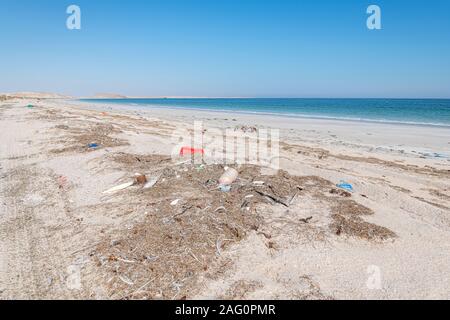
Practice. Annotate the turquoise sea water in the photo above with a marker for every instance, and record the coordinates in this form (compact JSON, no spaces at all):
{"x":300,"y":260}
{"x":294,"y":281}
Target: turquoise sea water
{"x":434,"y":112}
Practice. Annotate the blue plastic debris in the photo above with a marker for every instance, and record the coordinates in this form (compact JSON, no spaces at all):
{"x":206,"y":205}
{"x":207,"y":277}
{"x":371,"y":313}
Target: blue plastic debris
{"x":345,"y":185}
{"x":93,"y":145}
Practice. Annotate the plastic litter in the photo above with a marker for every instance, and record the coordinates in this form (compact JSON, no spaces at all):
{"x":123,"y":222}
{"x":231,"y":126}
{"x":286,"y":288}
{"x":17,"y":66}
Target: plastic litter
{"x":220,"y":209}
{"x":30,"y":106}
{"x":175,"y":202}
{"x":119,"y":187}
{"x":345,"y":185}
{"x":224,"y":188}
{"x":190,"y":151}
{"x":258,"y":183}
{"x":228,"y":177}
{"x":93,"y":145}
{"x":151,"y":183}
{"x":140,"y":179}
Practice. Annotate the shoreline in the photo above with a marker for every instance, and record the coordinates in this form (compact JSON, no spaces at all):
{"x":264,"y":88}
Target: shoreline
{"x":122,"y":103}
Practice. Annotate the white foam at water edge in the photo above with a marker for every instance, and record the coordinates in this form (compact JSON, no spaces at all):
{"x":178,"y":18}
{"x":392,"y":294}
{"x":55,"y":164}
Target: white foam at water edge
{"x":304,"y":116}
{"x":280,"y":114}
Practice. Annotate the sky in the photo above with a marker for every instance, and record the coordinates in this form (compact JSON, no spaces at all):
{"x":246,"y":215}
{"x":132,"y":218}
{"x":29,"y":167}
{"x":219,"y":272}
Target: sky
{"x":232,"y":48}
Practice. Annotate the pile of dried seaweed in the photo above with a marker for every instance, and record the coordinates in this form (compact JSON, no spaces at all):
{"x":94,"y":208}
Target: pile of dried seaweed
{"x":347,"y":221}
{"x":189,"y":221}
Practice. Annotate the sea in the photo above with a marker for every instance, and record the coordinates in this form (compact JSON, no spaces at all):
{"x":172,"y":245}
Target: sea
{"x":423,"y":112}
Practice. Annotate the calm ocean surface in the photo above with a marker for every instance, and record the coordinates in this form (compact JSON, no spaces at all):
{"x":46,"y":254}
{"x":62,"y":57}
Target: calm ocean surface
{"x":434,"y":112}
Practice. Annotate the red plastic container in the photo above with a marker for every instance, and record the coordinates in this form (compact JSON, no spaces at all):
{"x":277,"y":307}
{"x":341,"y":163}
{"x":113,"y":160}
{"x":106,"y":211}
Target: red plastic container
{"x":190,"y":151}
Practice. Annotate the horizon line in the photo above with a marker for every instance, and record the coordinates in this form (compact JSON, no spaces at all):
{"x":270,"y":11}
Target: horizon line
{"x":251,"y":97}
{"x":112,"y":96}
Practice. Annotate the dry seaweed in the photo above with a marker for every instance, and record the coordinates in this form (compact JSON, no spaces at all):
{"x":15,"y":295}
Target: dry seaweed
{"x":179,"y":240}
{"x":356,"y":227}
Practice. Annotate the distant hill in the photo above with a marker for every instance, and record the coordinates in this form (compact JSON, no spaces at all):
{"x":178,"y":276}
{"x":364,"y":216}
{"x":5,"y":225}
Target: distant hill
{"x":35,"y":95}
{"x":109,"y":96}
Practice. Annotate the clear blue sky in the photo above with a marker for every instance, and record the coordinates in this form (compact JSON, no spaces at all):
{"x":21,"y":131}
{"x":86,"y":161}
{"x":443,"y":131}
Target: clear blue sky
{"x":256,"y":48}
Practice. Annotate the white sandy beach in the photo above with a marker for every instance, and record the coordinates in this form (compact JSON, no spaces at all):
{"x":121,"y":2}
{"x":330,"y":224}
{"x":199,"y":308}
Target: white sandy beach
{"x":61,"y":237}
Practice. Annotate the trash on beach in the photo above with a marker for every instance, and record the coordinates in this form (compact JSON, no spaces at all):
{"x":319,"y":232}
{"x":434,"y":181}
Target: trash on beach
{"x":345,"y":185}
{"x":228,"y":177}
{"x":140,"y":179}
{"x":258,"y":183}
{"x":225,"y":188}
{"x":245,"y":129}
{"x":151,"y":183}
{"x":119,"y":187}
{"x":93,"y":145}
{"x":126,"y":280}
{"x":182,"y":215}
{"x":30,"y":106}
{"x":191,"y":151}
{"x":223,"y":209}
